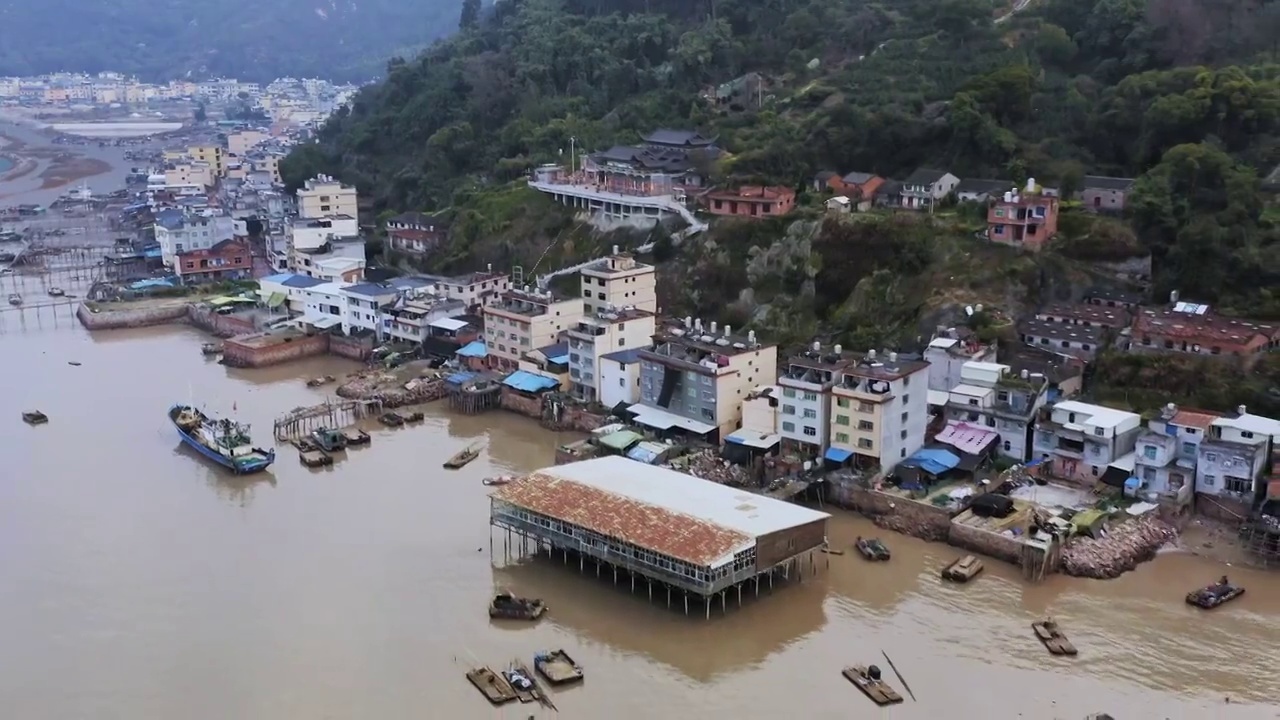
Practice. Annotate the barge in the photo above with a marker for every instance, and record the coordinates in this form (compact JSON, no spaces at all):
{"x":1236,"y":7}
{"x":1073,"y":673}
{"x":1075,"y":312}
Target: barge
{"x":868,"y":680}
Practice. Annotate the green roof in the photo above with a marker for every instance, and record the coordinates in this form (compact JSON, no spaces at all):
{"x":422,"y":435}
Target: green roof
{"x":621,"y":440}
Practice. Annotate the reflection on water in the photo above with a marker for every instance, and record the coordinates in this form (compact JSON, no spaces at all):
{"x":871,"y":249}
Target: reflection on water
{"x":360,"y":591}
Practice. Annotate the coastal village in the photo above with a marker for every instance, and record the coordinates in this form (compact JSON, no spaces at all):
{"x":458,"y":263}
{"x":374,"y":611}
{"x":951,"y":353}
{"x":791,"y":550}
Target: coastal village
{"x":984,"y":445}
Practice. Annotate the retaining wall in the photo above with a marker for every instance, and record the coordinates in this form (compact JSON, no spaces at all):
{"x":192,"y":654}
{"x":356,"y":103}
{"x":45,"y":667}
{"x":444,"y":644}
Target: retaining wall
{"x":1224,"y":509}
{"x":572,"y":418}
{"x":351,"y":348}
{"x":254,"y":355}
{"x":118,"y":318}
{"x":223,"y":326}
{"x":994,"y":545}
{"x":892,"y":512}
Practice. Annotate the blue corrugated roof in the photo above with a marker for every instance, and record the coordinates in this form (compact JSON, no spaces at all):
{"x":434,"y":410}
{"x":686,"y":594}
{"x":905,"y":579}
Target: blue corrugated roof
{"x":474,"y":349}
{"x":559,"y":359}
{"x":626,"y":357}
{"x":368,"y":290}
{"x":933,"y":461}
{"x":838,"y":455}
{"x":556,"y":350}
{"x":525,"y":381}
{"x":302,"y":282}
{"x":280,"y":278}
{"x":460,"y":378}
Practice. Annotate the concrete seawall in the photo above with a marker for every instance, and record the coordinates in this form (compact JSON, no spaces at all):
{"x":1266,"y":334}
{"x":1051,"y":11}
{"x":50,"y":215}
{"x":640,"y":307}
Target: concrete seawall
{"x":111,"y":318}
{"x":223,"y":326}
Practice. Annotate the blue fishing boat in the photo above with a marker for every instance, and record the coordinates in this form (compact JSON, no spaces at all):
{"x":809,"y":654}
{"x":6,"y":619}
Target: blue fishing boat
{"x":223,"y":441}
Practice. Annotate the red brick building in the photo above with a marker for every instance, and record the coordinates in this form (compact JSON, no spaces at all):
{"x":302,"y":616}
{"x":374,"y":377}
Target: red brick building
{"x":1025,"y":219}
{"x":227,"y":260}
{"x":1194,"y":329}
{"x":416,"y":233}
{"x":751,"y":201}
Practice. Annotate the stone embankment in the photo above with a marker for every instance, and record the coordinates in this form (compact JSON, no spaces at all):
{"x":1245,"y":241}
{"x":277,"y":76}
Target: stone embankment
{"x":405,"y":385}
{"x":1120,"y":551}
{"x":106,"y":316}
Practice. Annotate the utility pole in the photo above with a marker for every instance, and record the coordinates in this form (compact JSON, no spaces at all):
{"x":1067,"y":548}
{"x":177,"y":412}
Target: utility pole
{"x":573,"y":161}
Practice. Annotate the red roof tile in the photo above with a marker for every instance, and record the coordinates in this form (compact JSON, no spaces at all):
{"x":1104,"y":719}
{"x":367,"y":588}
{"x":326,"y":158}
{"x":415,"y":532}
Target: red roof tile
{"x":1194,"y":418}
{"x":673,"y":534}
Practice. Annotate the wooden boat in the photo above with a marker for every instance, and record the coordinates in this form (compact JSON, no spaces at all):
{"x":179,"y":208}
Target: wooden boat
{"x":34,"y":417}
{"x":56,"y":292}
{"x":557,"y":667}
{"x":356,"y":436}
{"x":1052,"y":637}
{"x":492,"y":685}
{"x":522,"y":683}
{"x":210,"y":348}
{"x":414,"y":417}
{"x":315,"y":458}
{"x":1211,"y":596}
{"x":329,"y":440}
{"x":391,"y":419}
{"x":495,"y":481}
{"x":318,"y":381}
{"x":962,"y":570}
{"x":463,"y":457}
{"x":872,"y":549}
{"x":509,"y":607}
{"x":867,"y":679}
{"x":305,"y":444}
{"x":15,"y":299}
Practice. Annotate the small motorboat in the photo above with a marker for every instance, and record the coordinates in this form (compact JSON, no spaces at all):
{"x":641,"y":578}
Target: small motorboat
{"x":867,"y":679}
{"x":15,"y":299}
{"x":329,"y":440}
{"x":414,"y":417}
{"x":391,"y":419}
{"x":509,"y":607}
{"x":356,"y":436}
{"x":210,"y":348}
{"x":34,"y":417}
{"x":872,"y":549}
{"x":463,"y":457}
{"x":495,"y":481}
{"x":56,"y":292}
{"x":318,"y":381}
{"x":1212,"y":596}
{"x":962,"y":570}
{"x":557,"y":667}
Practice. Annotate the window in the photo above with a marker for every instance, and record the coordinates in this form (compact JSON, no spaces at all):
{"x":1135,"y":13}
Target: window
{"x":973,"y":401}
{"x":842,"y":438}
{"x":1149,"y":452}
{"x":708,"y":396}
{"x":810,"y":413}
{"x":788,"y":393}
{"x":1208,"y":480}
{"x":1002,"y":396}
{"x":1246,"y":434}
{"x":904,"y":417}
{"x":1007,"y":446}
{"x":1099,"y":432}
{"x":788,"y":427}
{"x":1237,"y":485}
{"x":692,"y":392}
{"x":622,"y":382}
{"x":865,"y":407}
{"x":788,"y":409}
{"x":812,"y":397}
{"x":864,"y":443}
{"x":1071,"y":417}
{"x":842,"y":419}
{"x":1188,"y":448}
{"x":902,"y":435}
{"x":842,"y":402}
{"x":906,"y":399}
{"x":866,"y":425}
{"x":906,"y":381}
{"x":810,"y":430}
{"x":706,"y":379}
{"x":1211,"y":457}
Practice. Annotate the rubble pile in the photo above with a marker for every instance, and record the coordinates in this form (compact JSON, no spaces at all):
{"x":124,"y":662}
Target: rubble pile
{"x":1120,"y":551}
{"x":911,"y":526}
{"x":708,"y":465}
{"x":390,"y":390}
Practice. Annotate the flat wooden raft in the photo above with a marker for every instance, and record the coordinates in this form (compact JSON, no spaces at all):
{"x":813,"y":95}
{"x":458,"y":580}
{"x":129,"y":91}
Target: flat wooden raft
{"x":878,"y":691}
{"x":1053,"y":639}
{"x":492,"y":685}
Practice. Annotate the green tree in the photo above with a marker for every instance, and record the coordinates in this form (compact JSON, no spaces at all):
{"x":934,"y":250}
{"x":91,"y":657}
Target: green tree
{"x":470,"y":14}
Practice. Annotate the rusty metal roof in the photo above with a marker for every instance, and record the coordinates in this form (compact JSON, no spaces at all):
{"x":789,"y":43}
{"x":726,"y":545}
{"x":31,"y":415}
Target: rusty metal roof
{"x":678,"y":535}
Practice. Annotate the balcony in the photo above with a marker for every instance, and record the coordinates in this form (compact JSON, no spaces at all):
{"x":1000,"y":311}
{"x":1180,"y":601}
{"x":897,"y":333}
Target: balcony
{"x":876,"y":391}
{"x":586,"y":331}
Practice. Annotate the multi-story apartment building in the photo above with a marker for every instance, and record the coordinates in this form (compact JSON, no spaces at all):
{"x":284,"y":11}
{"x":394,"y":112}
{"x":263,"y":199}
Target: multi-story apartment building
{"x":881,"y":410}
{"x":1079,"y":440}
{"x":241,"y":142}
{"x":476,"y":288}
{"x":695,"y":381}
{"x":410,"y":321}
{"x":518,"y":321}
{"x":947,"y":354}
{"x":991,"y":394}
{"x":322,"y":196}
{"x":1166,"y":454}
{"x":619,"y":281}
{"x":313,"y":233}
{"x":805,"y":384}
{"x":620,"y":378}
{"x":598,"y":334}
{"x":212,"y":155}
{"x":178,"y":232}
{"x":365,"y":305}
{"x":1025,"y":219}
{"x":1233,"y":455}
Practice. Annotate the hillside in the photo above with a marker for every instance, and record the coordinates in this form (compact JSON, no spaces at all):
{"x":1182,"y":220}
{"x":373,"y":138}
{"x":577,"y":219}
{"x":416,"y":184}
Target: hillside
{"x":341,"y":40}
{"x":1182,"y":94}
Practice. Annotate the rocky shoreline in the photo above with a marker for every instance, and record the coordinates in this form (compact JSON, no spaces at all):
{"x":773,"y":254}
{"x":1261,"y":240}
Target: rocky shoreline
{"x":1122,"y":550}
{"x":391,"y":388}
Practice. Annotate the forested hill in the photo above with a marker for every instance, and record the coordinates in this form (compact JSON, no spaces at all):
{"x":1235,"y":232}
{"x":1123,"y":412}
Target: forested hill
{"x":341,"y":40}
{"x":1184,"y":94}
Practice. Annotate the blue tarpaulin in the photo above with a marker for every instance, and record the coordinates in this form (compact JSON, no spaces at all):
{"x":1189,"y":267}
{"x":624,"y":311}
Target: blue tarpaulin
{"x":642,"y":454}
{"x":460,"y":378}
{"x":526,"y":381}
{"x":933,"y":461}
{"x":474,"y":349}
{"x":837,"y":455}
{"x":151,"y":283}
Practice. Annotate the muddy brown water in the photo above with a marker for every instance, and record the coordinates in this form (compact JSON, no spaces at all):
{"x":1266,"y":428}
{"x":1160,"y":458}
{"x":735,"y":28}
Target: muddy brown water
{"x":139,"y":582}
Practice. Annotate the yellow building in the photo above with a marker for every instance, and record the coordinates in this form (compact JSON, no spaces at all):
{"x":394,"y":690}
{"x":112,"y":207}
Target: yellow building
{"x":240,"y":143}
{"x":214,"y":155}
{"x":881,"y":410}
{"x":322,"y":196}
{"x":619,"y":281}
{"x":518,"y":321}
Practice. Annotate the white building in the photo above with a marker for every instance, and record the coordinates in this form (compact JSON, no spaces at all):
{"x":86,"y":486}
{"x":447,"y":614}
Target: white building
{"x":313,"y":233}
{"x":948,"y":352}
{"x":328,"y":303}
{"x":990,"y":394}
{"x":518,"y":321}
{"x":806,"y":383}
{"x":881,"y":410}
{"x":1232,"y":457}
{"x":365,"y":305}
{"x":619,"y":378}
{"x":1079,"y":440}
{"x":619,"y":281}
{"x":598,"y":334}
{"x":322,"y":196}
{"x":476,"y":288}
{"x":177,"y":233}
{"x":286,"y":290}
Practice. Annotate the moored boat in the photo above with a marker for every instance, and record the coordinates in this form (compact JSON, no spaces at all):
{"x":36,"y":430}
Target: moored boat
{"x":494,"y":481}
{"x":867,"y":679}
{"x":391,"y":419}
{"x":1211,"y":596}
{"x":329,"y":440}
{"x":356,"y":436}
{"x":557,"y":667}
{"x":56,"y":292}
{"x":509,"y":607}
{"x":460,"y":459}
{"x":872,"y":549}
{"x":1048,"y":632}
{"x":211,"y":348}
{"x":34,"y":417}
{"x":15,"y":299}
{"x":221,"y":440}
{"x":962,"y":570}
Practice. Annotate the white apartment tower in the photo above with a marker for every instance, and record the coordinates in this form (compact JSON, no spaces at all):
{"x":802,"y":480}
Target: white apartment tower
{"x":322,"y":196}
{"x":618,"y":281}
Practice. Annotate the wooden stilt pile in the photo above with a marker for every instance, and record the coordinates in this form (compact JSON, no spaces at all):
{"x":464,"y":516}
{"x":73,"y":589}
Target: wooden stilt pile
{"x":300,"y":422}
